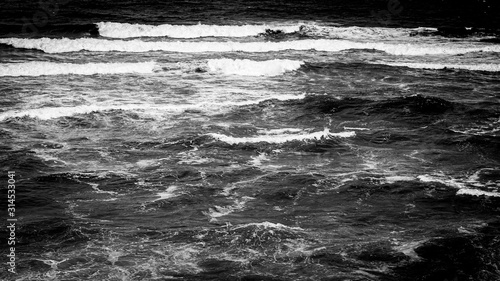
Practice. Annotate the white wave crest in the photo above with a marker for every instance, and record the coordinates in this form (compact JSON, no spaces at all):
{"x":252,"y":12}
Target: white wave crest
{"x":40,"y":68}
{"x":127,"y":30}
{"x":168,"y":193}
{"x":267,"y":225}
{"x":282,"y":137}
{"x":464,"y":186}
{"x":477,"y":192}
{"x":363,"y":33}
{"x":476,"y":67}
{"x":253,"y":68}
{"x":46,"y":113}
{"x":49,"y":45}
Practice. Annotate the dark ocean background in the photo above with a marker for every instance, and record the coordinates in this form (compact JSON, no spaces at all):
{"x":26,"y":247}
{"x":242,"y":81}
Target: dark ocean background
{"x":251,"y":140}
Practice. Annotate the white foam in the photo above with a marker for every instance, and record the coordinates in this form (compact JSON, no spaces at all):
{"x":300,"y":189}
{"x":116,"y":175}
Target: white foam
{"x":477,"y":192}
{"x":220,"y":211}
{"x":476,"y":67}
{"x":257,"y":160}
{"x":393,"y":179}
{"x":276,"y":97}
{"x":465,"y":186}
{"x":168,"y":193}
{"x":356,"y":129}
{"x":126,"y":30}
{"x":97,"y":190}
{"x":40,"y":68}
{"x":363,"y":33}
{"x":102,"y":45}
{"x":253,"y":68}
{"x":279,"y":131}
{"x":441,"y":178}
{"x":282,"y":138}
{"x":46,"y":113}
{"x":267,"y":224}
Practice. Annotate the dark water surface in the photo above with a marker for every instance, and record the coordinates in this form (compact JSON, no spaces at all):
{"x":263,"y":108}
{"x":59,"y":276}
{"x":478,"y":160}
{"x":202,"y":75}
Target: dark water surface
{"x":251,"y":140}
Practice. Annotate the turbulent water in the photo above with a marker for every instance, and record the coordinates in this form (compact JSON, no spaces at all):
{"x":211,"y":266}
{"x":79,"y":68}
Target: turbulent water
{"x":250,"y":141}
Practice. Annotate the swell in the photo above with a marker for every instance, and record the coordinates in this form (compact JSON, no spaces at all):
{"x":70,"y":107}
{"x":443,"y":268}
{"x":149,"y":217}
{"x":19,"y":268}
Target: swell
{"x":101,"y":45}
{"x":40,"y":68}
{"x":489,"y":67}
{"x":127,"y":30}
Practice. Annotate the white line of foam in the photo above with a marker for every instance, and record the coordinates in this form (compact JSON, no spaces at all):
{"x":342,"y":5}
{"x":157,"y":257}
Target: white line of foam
{"x":282,"y":138}
{"x":127,"y":30}
{"x":39,"y":68}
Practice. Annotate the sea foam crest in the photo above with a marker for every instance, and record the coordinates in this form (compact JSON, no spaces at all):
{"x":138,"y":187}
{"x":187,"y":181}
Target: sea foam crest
{"x":363,"y":33}
{"x":253,"y":68}
{"x":466,"y":186}
{"x":49,"y":45}
{"x":476,"y":67}
{"x":267,"y":225}
{"x":39,"y":68}
{"x":127,"y":30}
{"x":46,"y":113}
{"x":282,"y":137}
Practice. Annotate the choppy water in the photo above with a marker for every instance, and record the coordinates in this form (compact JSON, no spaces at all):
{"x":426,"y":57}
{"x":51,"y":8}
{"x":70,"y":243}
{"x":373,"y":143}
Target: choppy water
{"x":251,"y":141}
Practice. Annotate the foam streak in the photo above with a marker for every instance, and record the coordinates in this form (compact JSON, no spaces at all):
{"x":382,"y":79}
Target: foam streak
{"x":100,"y":45}
{"x":40,"y":68}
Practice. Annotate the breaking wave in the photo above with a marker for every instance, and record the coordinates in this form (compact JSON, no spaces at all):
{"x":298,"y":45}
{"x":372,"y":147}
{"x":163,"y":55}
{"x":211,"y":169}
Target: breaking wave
{"x":101,"y":45}
{"x":476,"y":67}
{"x":253,"y":68}
{"x":281,"y":137}
{"x":40,"y":68}
{"x":127,"y":30}
{"x":46,"y":113}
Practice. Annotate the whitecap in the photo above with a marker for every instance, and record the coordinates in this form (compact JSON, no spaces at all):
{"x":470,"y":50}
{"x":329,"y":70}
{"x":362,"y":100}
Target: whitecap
{"x":127,"y":30}
{"x":63,"y":45}
{"x":41,"y":68}
{"x":253,"y":68}
{"x":282,"y":137}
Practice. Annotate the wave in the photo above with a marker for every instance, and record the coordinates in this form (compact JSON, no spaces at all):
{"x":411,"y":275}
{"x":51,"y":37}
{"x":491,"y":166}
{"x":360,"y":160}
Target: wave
{"x":477,"y":192}
{"x":40,"y":68}
{"x":280,"y":137}
{"x":170,"y":192}
{"x":464,"y":186}
{"x":224,"y":66}
{"x":253,"y":68}
{"x":267,"y":225}
{"x":364,"y":33}
{"x":476,"y":67}
{"x":46,"y":113}
{"x":127,"y":30}
{"x":103,"y":45}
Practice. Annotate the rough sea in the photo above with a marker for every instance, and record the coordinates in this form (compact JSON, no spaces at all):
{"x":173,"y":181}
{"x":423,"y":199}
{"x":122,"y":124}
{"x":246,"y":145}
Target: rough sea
{"x":250,"y":140}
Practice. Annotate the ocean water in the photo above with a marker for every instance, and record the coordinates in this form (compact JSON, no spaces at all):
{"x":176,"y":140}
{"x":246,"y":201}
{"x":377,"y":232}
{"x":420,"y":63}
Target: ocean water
{"x":250,"y":140}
